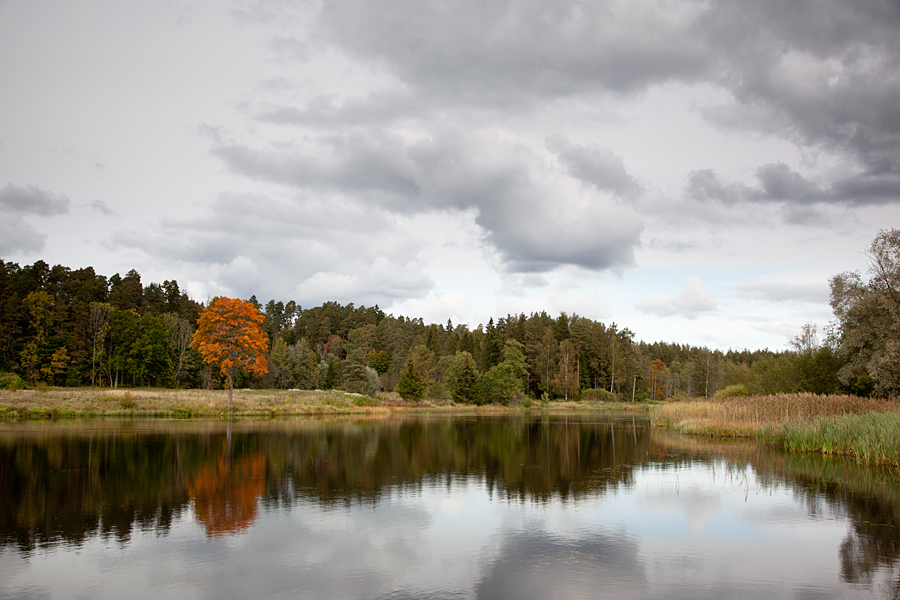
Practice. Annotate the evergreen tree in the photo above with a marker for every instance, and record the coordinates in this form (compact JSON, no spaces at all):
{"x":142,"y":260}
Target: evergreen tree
{"x":411,"y":385}
{"x":463,"y":379}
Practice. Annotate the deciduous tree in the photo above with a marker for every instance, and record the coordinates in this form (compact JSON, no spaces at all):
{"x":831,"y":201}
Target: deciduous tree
{"x":868,"y":314}
{"x":229,"y":334}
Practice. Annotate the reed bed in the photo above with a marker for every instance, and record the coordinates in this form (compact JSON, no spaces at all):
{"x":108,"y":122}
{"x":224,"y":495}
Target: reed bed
{"x":868,"y":429}
{"x":870,"y":438}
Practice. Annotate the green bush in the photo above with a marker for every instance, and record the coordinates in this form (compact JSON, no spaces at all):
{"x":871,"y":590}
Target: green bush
{"x":733,"y":391}
{"x":11,"y":381}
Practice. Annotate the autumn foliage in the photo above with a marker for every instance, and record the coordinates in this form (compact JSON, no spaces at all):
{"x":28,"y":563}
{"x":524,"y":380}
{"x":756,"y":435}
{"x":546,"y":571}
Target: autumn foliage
{"x":226,"y":495}
{"x":229,"y":334}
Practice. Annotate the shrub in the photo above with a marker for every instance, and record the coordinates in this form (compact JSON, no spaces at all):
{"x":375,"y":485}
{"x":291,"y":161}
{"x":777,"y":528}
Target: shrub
{"x":126,"y":402}
{"x":500,"y":385}
{"x":365,"y":401}
{"x":733,"y":391}
{"x":598,"y":395}
{"x":11,"y":381}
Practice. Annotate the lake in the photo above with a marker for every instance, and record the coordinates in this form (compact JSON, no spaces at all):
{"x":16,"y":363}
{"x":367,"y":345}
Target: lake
{"x":529,"y":506}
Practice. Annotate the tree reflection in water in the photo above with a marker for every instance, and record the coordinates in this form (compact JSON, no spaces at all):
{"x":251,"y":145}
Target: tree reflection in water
{"x":66,"y":483}
{"x":226,"y":495}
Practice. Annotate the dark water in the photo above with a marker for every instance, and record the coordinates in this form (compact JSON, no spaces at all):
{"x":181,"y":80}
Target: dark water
{"x":523,"y":507}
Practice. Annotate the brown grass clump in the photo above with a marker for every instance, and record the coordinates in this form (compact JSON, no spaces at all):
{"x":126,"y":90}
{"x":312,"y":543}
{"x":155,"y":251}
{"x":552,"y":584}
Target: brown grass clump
{"x":781,"y":408}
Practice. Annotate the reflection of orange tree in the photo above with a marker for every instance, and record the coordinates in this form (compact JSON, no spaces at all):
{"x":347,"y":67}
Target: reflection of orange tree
{"x":226,"y":495}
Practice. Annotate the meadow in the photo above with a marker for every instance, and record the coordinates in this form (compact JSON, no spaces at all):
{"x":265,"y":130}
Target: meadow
{"x":49,"y":402}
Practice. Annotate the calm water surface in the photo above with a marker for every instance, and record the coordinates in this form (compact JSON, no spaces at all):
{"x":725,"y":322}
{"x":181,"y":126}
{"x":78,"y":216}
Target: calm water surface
{"x":523,"y":507}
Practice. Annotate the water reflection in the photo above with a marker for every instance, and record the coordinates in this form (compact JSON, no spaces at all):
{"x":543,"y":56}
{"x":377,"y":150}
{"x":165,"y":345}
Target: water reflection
{"x":525,"y":507}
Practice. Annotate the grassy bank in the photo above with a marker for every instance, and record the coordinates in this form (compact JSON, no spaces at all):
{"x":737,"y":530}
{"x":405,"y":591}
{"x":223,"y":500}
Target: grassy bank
{"x":867,"y":429}
{"x":143,"y":402}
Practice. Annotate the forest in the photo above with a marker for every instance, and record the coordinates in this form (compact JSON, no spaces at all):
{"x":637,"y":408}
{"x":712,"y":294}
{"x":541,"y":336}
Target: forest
{"x":65,"y":327}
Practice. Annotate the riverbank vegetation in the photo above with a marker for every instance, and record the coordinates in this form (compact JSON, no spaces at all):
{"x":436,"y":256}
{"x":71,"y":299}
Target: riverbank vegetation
{"x":51,"y":403}
{"x":864,"y":428}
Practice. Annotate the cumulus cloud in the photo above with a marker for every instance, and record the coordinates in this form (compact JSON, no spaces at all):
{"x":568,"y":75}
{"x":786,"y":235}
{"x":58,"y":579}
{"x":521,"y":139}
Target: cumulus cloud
{"x":324,"y":249}
{"x":534,"y":220}
{"x":821,"y":73}
{"x":690,"y":302}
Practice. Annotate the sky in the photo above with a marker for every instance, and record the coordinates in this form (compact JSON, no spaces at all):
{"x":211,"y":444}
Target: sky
{"x":695,"y":171}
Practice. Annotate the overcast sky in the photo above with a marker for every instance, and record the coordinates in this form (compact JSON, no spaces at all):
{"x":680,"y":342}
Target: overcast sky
{"x":696,"y":171}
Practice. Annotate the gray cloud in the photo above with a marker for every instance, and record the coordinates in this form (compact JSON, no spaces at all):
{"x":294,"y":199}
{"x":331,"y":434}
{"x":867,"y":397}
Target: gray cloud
{"x":779,"y":183}
{"x":594,"y":165}
{"x":502,"y":51}
{"x":823,"y":73}
{"x":101,"y":207}
{"x":533,"y":225}
{"x":32,"y":200}
{"x":18,"y":236}
{"x":690,"y":302}
{"x":315,"y":249}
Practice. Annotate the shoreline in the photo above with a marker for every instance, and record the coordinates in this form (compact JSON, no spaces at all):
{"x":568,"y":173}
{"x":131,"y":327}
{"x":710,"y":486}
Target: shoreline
{"x":86,"y":403}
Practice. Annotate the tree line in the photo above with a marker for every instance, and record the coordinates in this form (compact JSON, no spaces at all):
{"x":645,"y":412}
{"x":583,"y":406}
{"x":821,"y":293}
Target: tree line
{"x":75,"y":327}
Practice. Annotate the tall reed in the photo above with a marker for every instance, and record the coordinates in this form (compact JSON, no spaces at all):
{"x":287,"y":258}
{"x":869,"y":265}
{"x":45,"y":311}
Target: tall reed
{"x":868,"y":429}
{"x":870,"y":438}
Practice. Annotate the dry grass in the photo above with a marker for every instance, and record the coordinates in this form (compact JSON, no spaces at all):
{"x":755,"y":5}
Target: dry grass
{"x":86,"y":402}
{"x":150,"y":402}
{"x":866,"y":428}
{"x":750,"y":415}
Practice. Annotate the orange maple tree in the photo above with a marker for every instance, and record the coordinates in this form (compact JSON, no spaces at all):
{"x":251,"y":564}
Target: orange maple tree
{"x":229,"y":334}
